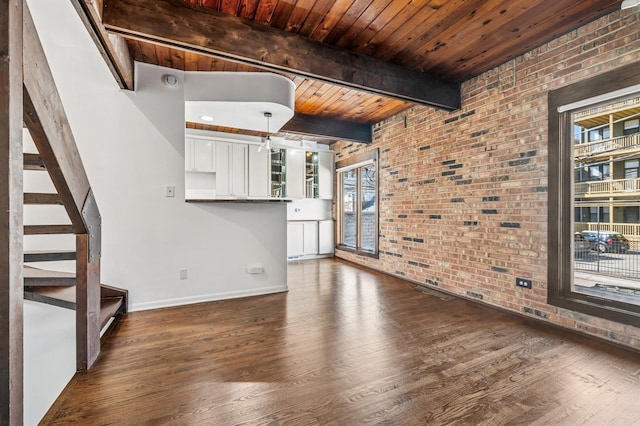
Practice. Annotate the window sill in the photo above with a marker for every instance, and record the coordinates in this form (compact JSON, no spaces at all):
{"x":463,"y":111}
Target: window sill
{"x":356,"y":251}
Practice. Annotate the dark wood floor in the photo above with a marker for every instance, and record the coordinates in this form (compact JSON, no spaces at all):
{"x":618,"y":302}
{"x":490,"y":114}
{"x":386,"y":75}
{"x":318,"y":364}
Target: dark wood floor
{"x":348,"y":346}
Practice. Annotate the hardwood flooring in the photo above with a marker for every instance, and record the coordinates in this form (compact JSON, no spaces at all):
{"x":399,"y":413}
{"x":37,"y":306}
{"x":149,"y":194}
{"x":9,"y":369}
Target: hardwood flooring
{"x":349,"y":346}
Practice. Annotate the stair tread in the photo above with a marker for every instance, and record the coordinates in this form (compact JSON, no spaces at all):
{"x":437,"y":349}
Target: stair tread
{"x":48,"y":229}
{"x":33,"y":162}
{"x":64,"y":297}
{"x":109,"y":306}
{"x":48,"y":255}
{"x":42,"y":198}
{"x":31,"y":272}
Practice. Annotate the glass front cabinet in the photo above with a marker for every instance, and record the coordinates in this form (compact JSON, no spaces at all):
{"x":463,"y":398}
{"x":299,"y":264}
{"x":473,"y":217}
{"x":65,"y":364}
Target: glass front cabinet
{"x":278,"y":173}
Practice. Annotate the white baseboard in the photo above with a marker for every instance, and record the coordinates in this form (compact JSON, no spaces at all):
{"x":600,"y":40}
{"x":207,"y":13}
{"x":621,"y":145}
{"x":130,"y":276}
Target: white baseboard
{"x":157,"y":304}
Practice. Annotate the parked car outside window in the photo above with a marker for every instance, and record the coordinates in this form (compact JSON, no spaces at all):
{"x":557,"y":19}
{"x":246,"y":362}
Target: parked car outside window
{"x":580,"y":244}
{"x":606,"y":241}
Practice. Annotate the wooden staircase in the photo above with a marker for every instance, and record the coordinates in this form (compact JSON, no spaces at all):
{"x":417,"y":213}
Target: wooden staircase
{"x":54,"y":287}
{"x":57,"y":153}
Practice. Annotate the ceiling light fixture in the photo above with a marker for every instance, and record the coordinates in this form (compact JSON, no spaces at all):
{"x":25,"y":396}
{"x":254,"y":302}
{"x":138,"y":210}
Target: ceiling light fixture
{"x":206,"y":118}
{"x":627,"y":4}
{"x":170,"y":80}
{"x":266,"y":141}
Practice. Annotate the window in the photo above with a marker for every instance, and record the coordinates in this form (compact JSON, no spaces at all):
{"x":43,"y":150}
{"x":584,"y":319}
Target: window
{"x":594,"y":191}
{"x":631,"y":126}
{"x":358,"y":204}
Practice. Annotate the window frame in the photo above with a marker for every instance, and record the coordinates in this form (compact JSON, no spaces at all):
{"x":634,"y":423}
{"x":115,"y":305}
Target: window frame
{"x":562,"y":103}
{"x":357,"y":162}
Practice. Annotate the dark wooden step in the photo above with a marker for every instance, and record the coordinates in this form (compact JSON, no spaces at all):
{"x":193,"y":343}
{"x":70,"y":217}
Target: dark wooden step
{"x":64,"y":297}
{"x":33,"y":162}
{"x":48,"y":255}
{"x":47,"y":229}
{"x":42,"y":198}
{"x":39,"y":277}
{"x":109,"y":307}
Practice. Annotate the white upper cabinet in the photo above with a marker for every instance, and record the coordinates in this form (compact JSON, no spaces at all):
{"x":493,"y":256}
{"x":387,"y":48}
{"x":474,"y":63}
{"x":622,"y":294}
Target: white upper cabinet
{"x":239,"y":182}
{"x":231,"y":167}
{"x":295,"y":173}
{"x":325,"y":175}
{"x":227,"y":169}
{"x":223,"y":180}
{"x":258,"y":172}
{"x":199,"y":155}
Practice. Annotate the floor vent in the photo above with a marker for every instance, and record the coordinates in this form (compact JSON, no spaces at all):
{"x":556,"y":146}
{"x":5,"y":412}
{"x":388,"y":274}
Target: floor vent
{"x":435,"y":293}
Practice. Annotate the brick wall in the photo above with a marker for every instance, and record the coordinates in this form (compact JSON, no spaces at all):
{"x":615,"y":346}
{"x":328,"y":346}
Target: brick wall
{"x":463,"y":195}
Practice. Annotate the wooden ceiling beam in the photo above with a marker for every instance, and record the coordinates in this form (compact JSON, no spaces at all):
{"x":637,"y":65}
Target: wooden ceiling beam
{"x":113,"y":48}
{"x":332,"y":128}
{"x":185,"y":26}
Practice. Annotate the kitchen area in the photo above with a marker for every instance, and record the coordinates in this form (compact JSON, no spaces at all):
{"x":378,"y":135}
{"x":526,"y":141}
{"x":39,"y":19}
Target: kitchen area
{"x":224,"y":168}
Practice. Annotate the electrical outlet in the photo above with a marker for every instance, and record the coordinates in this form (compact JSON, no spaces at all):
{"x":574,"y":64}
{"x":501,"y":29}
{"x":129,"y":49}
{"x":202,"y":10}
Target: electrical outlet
{"x":255,"y":269}
{"x":521,"y":282}
{"x":183,"y":274}
{"x":170,"y":191}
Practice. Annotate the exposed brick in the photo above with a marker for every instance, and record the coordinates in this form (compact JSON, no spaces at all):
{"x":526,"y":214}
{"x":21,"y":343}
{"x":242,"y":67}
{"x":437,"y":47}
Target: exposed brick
{"x":479,"y":133}
{"x":509,"y":225}
{"x":432,"y":282}
{"x":522,"y":162}
{"x":501,"y":139}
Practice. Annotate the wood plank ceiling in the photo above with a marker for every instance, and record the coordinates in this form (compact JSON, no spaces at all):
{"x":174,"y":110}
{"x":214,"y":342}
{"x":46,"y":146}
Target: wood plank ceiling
{"x":452,"y":40}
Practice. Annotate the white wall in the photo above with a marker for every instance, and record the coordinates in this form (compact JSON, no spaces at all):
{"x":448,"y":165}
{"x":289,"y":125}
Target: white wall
{"x":49,"y":356}
{"x":132,"y":145}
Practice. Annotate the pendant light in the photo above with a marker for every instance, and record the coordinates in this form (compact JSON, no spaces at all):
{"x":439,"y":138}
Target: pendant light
{"x":627,"y":4}
{"x":266,"y":141}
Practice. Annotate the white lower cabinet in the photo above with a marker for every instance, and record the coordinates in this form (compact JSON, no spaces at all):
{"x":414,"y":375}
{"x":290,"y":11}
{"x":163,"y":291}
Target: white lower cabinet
{"x":326,"y":231}
{"x":302,"y":238}
{"x":295,"y":239}
{"x":309,"y":238}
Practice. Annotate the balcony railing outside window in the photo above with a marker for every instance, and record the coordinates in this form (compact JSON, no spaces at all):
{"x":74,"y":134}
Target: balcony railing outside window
{"x":606,"y":146}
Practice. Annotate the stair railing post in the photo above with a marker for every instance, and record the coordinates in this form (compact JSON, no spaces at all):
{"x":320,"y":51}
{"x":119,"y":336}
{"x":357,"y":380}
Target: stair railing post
{"x":11,"y":285}
{"x":89,"y":251}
